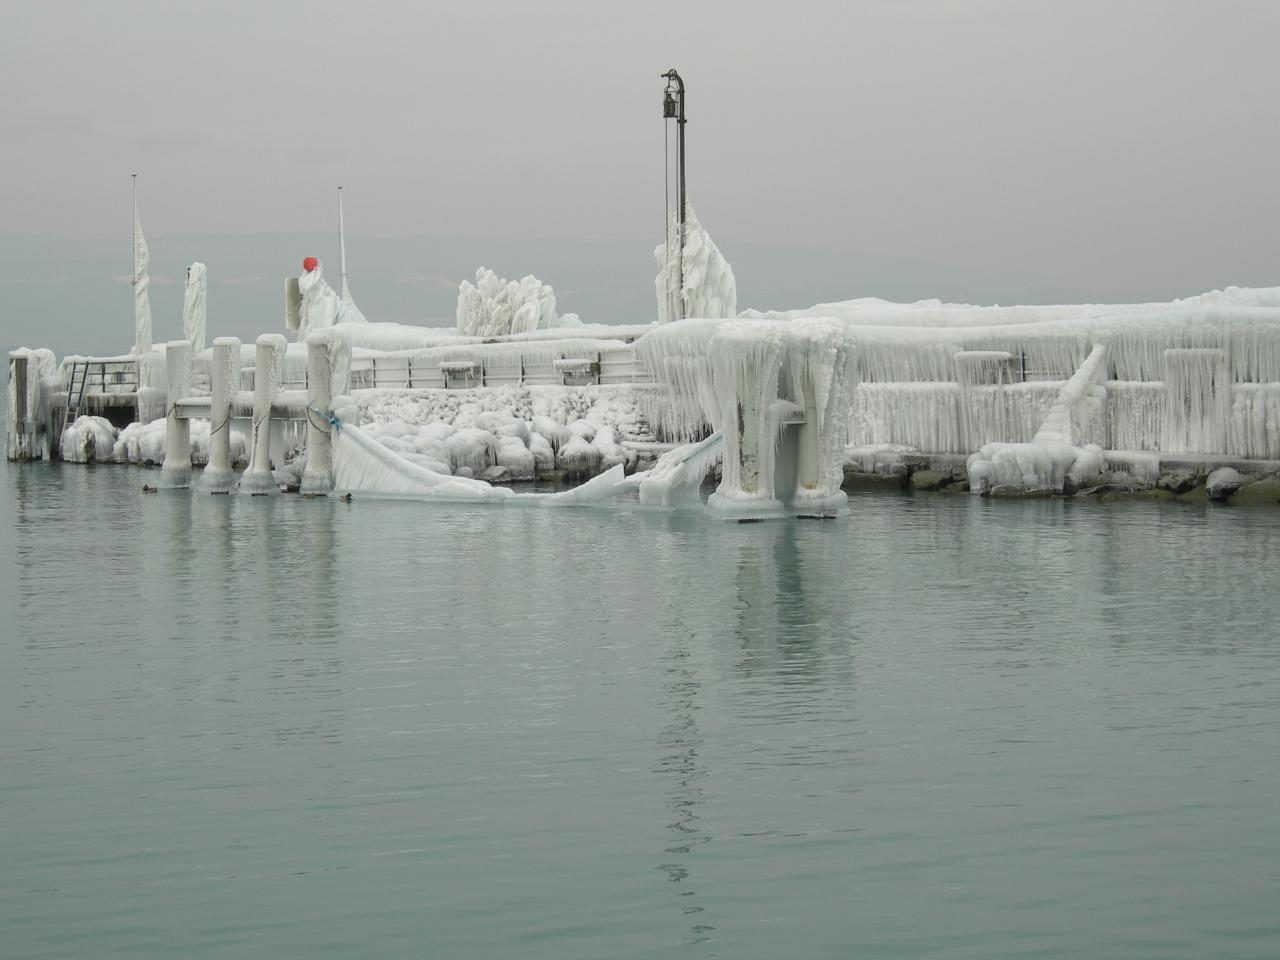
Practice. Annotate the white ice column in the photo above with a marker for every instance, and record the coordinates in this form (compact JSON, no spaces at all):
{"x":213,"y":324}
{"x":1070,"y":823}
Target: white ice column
{"x":746,"y":361}
{"x":821,"y":367}
{"x":318,"y":476}
{"x":224,"y":377}
{"x":268,"y":365}
{"x":176,"y":469}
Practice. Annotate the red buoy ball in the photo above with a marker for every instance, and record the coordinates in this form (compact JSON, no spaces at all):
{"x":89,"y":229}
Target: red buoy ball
{"x":310,"y":263}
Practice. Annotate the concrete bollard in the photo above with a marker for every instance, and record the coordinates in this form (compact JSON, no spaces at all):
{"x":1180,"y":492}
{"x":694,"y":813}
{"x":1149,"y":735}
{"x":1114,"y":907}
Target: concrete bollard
{"x":218,"y":476}
{"x":317,"y":478}
{"x":268,"y":364}
{"x":176,"y":469}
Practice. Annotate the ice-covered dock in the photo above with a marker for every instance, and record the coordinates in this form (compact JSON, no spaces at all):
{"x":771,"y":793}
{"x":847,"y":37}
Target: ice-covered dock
{"x":780,"y":405}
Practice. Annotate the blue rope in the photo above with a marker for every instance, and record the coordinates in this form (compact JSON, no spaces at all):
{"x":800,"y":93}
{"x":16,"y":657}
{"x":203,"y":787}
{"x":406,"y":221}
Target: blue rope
{"x":329,"y":418}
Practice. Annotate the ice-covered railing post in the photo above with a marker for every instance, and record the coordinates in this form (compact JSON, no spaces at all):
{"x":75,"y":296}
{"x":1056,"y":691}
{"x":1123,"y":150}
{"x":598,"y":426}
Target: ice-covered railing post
{"x":224,"y":377}
{"x":268,"y":364}
{"x":176,"y":469}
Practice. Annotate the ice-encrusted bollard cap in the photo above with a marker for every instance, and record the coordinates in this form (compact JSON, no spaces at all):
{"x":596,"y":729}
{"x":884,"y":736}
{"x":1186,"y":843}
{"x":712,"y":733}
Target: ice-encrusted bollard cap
{"x":310,"y":263}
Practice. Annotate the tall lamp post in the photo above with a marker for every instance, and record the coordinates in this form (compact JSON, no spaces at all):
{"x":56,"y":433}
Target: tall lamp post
{"x":673,"y":109}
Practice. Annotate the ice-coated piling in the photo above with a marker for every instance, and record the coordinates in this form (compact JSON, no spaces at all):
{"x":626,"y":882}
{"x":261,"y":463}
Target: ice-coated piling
{"x":268,"y":364}
{"x":223,"y":377}
{"x":823,"y":369}
{"x":746,"y":363}
{"x":176,"y":469}
{"x":318,"y":475}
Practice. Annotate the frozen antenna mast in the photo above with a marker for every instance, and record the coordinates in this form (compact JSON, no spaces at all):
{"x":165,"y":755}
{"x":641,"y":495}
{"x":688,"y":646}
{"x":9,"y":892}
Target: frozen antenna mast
{"x":673,"y":103}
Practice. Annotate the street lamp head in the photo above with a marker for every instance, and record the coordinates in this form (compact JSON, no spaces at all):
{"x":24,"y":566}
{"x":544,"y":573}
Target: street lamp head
{"x":668,"y":105}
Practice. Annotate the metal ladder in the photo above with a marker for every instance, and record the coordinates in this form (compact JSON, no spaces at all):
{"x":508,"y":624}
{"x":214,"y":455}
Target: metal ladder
{"x":75,"y":390}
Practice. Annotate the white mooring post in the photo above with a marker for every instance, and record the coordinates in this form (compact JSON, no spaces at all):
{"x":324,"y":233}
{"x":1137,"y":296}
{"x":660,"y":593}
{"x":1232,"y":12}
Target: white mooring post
{"x":176,"y":469}
{"x":318,"y":476}
{"x":218,"y":477}
{"x":268,"y":364}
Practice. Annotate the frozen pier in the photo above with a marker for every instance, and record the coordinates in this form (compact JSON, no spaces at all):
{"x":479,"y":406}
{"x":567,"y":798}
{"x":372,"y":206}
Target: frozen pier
{"x":783,"y":407}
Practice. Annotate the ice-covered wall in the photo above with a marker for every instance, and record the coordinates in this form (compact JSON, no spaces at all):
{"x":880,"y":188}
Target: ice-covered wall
{"x":703,"y":276}
{"x":493,"y":307}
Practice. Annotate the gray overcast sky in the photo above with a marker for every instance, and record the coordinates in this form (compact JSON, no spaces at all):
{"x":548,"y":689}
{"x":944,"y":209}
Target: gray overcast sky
{"x":991,"y":149}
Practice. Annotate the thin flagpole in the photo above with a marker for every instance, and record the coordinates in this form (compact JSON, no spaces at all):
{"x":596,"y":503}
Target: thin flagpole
{"x":342,"y":249}
{"x":135,"y":229}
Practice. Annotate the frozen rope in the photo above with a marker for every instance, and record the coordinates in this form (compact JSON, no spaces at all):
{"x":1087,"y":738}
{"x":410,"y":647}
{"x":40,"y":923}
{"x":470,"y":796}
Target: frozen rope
{"x":326,"y":420}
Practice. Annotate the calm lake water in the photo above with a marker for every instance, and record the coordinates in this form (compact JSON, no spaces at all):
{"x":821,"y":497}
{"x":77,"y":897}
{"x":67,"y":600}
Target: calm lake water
{"x":946,"y":727}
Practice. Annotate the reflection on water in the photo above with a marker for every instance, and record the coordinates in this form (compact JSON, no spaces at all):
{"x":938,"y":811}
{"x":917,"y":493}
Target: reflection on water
{"x":679,"y":743}
{"x":943,"y":727}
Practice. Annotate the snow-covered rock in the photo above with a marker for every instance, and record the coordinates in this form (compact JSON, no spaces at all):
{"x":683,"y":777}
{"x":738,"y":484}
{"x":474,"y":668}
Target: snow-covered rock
{"x":1223,"y":482}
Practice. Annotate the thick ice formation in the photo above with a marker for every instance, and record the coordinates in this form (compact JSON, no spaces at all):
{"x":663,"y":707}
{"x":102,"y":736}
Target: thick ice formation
{"x":674,"y":480}
{"x":1198,"y":375}
{"x":749,"y":378}
{"x":89,"y":440}
{"x":703,"y":276}
{"x":193,"y":306}
{"x":321,"y":306}
{"x":26,"y":415}
{"x":492,"y":307}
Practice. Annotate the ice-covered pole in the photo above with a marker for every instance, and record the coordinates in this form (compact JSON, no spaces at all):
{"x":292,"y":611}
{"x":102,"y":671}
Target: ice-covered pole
{"x":268,"y":362}
{"x":176,"y":469}
{"x":673,"y":103}
{"x":218,"y":477}
{"x":318,"y":476}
